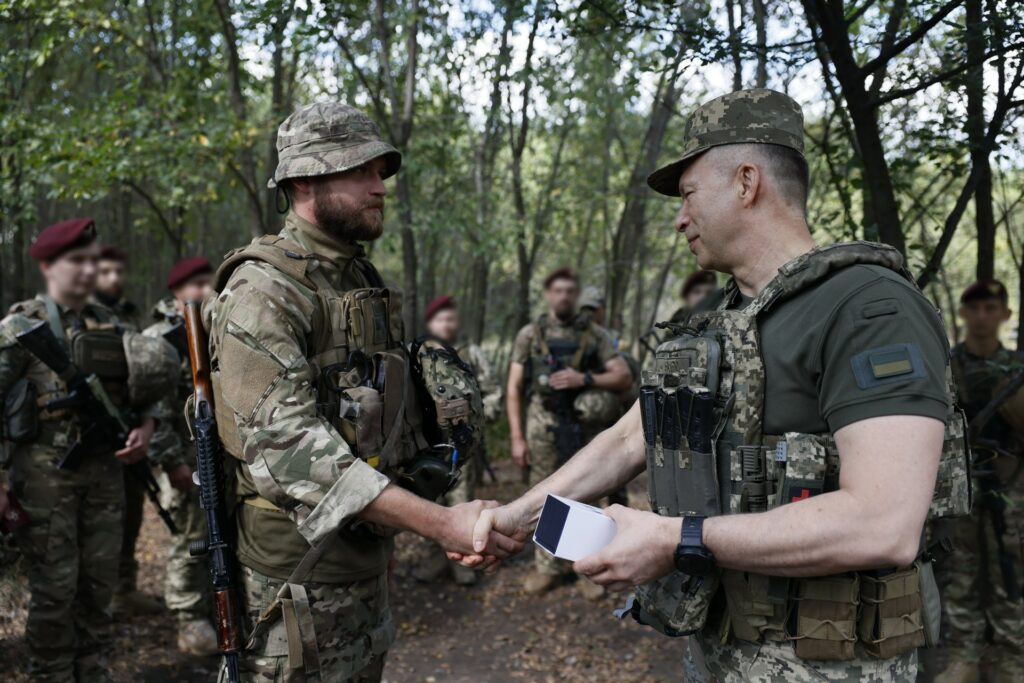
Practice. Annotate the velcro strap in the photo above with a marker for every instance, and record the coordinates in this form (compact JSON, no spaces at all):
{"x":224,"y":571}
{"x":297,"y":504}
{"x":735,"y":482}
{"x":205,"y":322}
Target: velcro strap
{"x":828,"y":589}
{"x":898,"y":585}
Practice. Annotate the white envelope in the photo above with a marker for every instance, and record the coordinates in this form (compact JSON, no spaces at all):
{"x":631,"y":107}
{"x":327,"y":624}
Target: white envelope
{"x":571,"y":530}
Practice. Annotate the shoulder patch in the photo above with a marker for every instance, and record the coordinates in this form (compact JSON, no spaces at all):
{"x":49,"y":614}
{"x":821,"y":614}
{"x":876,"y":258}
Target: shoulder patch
{"x":888,"y":364}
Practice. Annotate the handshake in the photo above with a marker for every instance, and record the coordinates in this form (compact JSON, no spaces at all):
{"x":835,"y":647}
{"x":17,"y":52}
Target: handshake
{"x":481,"y":534}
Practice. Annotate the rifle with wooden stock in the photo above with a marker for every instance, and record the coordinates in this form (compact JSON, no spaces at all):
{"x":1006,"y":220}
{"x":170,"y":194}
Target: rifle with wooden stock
{"x":210,"y":470}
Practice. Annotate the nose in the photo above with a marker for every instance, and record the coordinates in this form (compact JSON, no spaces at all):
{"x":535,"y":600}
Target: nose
{"x":682,"y":219}
{"x":377,"y":188}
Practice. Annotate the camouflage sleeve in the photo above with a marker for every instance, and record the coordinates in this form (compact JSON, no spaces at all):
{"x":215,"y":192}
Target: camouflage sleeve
{"x":13,"y":360}
{"x":521,"y":346}
{"x":297,"y":460}
{"x":605,"y":346}
{"x":490,"y":390}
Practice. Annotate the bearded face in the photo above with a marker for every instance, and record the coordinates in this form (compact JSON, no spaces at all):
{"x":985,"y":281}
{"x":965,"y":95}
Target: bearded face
{"x":347,"y":216}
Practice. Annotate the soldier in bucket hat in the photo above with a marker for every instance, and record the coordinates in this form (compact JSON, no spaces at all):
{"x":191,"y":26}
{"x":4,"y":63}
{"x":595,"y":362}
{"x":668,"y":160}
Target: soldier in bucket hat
{"x":309,"y":372}
{"x":792,"y":429}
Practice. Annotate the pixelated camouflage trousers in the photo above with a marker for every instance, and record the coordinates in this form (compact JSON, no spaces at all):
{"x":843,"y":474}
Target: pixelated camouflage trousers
{"x":543,"y":463}
{"x":71,"y":547}
{"x":981,"y":581}
{"x":186,"y":584}
{"x":345,"y":632}
{"x":776,"y":662}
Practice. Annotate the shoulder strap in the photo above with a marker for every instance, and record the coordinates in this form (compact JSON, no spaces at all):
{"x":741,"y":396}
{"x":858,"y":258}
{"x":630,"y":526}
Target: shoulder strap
{"x":818,"y":264}
{"x":286,"y":256}
{"x":577,"y":358}
{"x":538,"y":335}
{"x":53,"y":317}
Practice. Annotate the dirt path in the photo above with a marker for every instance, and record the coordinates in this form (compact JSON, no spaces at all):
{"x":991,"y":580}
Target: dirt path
{"x":488,"y":633}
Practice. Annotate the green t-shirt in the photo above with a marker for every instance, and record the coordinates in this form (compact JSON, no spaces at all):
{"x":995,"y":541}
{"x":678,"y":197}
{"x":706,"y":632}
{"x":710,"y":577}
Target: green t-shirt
{"x":863,"y":343}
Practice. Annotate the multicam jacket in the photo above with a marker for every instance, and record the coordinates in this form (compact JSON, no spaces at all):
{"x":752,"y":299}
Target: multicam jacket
{"x":300,"y":480}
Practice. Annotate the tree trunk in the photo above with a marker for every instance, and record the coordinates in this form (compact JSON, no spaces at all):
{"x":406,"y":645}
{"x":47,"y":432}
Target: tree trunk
{"x":761,"y":47}
{"x":735,"y":44}
{"x":984,"y":215}
{"x":629,"y":233}
{"x":278,"y":107}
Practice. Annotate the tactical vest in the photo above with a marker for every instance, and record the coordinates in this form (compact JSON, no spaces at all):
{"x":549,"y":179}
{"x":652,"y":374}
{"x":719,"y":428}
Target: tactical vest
{"x":551,"y":355}
{"x":354,"y":347}
{"x":702,"y":408}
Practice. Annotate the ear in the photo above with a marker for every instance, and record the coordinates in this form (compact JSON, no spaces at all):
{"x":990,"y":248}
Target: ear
{"x":301,"y":186}
{"x":1007,"y":312}
{"x":749,"y":177}
{"x":960,"y":311}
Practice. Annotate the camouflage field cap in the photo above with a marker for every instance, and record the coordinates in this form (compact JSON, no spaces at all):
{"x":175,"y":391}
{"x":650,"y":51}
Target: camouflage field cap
{"x":329,"y":137}
{"x":757,"y":115}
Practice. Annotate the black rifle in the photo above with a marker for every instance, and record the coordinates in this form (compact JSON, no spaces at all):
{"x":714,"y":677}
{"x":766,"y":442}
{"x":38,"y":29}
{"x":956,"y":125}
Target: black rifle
{"x":104,"y":428}
{"x":567,"y":430}
{"x":210,"y":468}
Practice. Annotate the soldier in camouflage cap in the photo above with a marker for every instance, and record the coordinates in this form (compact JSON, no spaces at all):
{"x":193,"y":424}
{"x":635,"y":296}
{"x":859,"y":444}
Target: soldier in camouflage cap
{"x":309,"y":371}
{"x":791,"y":429}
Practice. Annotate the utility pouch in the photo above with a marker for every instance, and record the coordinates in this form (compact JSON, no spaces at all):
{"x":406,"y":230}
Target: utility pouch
{"x":825,"y":617}
{"x":953,"y":483}
{"x":696,"y":479}
{"x":361,"y":410}
{"x":677,"y":604}
{"x":657,"y":492}
{"x":812,"y":467}
{"x":757,"y":605}
{"x":368,"y":319}
{"x":697,"y":418}
{"x":100,"y":353}
{"x":931,"y":604}
{"x":892,"y":619}
{"x":21,"y":412}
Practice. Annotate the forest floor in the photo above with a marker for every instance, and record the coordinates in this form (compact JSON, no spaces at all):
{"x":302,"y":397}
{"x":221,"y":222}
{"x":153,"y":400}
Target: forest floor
{"x":490,"y":632}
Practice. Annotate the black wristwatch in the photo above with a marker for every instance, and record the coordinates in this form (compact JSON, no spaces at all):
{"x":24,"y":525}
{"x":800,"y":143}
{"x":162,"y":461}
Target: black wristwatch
{"x":588,"y":379}
{"x":692,"y":556}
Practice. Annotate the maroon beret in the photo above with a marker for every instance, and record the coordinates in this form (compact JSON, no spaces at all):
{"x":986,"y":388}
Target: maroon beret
{"x":187,"y":268}
{"x":58,"y":238}
{"x":108,"y":252}
{"x":700,"y":277}
{"x":985,"y":289}
{"x":436,"y":306}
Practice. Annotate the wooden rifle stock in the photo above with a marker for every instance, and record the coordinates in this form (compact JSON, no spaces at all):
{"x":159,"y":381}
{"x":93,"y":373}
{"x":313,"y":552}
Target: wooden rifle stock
{"x":210,"y":469}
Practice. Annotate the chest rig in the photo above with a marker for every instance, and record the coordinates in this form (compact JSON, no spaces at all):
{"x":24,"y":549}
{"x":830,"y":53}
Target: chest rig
{"x":702,"y":410}
{"x":354,"y":347}
{"x":549,"y":355}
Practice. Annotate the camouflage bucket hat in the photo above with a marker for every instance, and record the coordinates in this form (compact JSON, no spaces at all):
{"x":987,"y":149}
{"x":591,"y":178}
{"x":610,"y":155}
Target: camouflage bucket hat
{"x":745,"y":116}
{"x":329,"y":137}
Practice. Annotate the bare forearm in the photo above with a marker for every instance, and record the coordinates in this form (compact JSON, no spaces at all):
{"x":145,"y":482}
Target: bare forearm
{"x":605,"y":465}
{"x":514,"y":408}
{"x":398,"y":509}
{"x":616,"y":376}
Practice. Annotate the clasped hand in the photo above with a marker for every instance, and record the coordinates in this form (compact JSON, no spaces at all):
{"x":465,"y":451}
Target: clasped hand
{"x":482,"y":547}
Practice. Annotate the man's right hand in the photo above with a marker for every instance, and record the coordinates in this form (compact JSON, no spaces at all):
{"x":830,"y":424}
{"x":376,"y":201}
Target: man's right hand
{"x":520,"y":451}
{"x":507,"y":521}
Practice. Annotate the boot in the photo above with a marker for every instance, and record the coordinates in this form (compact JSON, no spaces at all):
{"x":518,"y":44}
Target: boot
{"x":590,"y":590}
{"x":197,"y":637}
{"x":538,"y":584}
{"x":464,"y":576}
{"x":959,"y":671}
{"x":135,"y":604}
{"x":431,"y":568}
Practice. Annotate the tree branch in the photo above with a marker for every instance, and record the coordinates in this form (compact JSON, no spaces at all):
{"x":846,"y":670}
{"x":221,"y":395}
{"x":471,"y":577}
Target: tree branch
{"x":910,"y":39}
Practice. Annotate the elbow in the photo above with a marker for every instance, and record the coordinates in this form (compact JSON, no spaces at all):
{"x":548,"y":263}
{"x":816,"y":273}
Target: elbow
{"x":891,"y":546}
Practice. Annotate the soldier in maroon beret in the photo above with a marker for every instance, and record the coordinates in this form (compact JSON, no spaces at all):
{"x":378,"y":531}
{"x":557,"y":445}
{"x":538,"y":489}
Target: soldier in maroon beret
{"x":71,"y":544}
{"x":185,"y":585}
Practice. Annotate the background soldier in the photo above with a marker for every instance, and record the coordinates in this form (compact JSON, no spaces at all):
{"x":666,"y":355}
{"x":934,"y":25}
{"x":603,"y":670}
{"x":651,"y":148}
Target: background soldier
{"x":697,"y":286}
{"x":110,"y":291}
{"x":308,"y":361}
{"x":559,"y":353}
{"x":186,"y":582}
{"x":72,"y":540}
{"x":826,"y":359}
{"x":981,"y":580}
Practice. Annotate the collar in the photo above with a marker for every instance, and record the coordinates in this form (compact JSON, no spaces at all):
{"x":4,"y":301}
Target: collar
{"x":313,"y":239}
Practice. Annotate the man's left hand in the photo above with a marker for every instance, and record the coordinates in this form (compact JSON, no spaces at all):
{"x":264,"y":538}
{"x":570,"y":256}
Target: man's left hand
{"x":566,"y":379}
{"x":137,"y":443}
{"x":642,"y":550}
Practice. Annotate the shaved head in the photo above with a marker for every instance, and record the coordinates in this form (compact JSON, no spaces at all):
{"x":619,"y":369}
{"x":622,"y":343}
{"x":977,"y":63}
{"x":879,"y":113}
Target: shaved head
{"x":785,"y":169}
